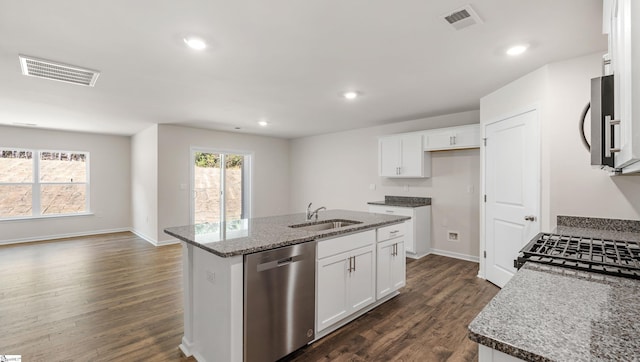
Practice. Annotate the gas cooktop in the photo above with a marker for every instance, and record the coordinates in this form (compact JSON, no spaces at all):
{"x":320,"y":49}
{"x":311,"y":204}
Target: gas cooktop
{"x":612,"y":257}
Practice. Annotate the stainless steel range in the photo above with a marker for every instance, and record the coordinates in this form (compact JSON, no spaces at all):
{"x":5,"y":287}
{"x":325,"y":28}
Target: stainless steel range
{"x":612,"y":257}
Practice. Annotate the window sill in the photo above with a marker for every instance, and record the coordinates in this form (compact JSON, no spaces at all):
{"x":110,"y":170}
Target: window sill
{"x":26,"y":218}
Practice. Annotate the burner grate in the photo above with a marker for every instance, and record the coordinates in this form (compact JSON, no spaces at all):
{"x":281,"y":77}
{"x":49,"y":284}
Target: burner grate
{"x":614,"y":257}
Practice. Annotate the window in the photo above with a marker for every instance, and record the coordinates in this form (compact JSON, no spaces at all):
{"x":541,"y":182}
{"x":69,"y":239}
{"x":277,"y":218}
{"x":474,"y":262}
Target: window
{"x":43,"y":183}
{"x":220,"y":186}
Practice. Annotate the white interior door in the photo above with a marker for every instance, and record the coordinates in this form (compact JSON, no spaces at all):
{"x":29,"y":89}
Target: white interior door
{"x":512,"y":189}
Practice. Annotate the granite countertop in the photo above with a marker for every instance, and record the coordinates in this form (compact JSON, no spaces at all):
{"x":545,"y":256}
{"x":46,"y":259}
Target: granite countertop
{"x":598,"y":228}
{"x":403,"y":201}
{"x":246,"y":236}
{"x":548,"y":313}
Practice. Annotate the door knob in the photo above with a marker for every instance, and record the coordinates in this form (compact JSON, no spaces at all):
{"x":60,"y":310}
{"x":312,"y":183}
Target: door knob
{"x":530,"y":218}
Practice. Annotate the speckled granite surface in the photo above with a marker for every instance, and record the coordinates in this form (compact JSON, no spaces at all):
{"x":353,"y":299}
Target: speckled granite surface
{"x":615,"y":229}
{"x":403,"y":201}
{"x":619,"y":225}
{"x":547,"y":313}
{"x":252,"y":235}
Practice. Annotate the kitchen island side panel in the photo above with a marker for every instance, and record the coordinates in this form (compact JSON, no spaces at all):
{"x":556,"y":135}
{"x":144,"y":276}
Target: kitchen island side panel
{"x":214,"y":305}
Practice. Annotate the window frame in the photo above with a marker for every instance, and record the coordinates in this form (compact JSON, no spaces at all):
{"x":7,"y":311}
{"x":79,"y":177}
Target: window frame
{"x":36,"y":184}
{"x":247,"y":187}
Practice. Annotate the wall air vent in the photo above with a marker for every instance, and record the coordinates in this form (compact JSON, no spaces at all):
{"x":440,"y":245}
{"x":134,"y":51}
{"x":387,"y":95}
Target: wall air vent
{"x":462,"y":17}
{"x":42,"y":68}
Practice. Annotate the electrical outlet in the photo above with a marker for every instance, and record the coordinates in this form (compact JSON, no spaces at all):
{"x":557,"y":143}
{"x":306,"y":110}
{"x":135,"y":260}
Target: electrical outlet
{"x":453,"y":236}
{"x":372,"y":187}
{"x":211,"y":277}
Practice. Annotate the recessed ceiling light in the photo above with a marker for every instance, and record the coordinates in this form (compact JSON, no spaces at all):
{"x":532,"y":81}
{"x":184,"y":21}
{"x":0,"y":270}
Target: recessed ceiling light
{"x":517,"y":50}
{"x":195,"y":43}
{"x":263,"y":123}
{"x":350,"y":95}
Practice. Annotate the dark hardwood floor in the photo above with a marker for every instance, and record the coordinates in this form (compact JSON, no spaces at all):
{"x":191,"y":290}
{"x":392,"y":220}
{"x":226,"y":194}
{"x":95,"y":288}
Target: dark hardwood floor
{"x":115,"y":297}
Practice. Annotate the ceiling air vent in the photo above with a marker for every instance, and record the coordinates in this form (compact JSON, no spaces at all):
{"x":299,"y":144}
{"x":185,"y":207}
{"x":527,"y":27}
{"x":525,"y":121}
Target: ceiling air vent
{"x":42,"y":68}
{"x":462,"y":18}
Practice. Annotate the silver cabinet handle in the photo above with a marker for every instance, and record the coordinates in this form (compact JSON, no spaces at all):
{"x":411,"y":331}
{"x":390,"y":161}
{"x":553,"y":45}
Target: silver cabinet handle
{"x":389,"y":211}
{"x":614,"y":122}
{"x":352,"y":264}
{"x":394,"y":232}
{"x":454,"y":140}
{"x":530,"y":218}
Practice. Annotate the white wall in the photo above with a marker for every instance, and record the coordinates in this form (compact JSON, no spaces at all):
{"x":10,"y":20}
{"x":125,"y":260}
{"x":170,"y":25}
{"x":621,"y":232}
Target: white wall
{"x":110,"y":181}
{"x":336,"y":170}
{"x":522,"y":94}
{"x":144,"y":183}
{"x":270,"y":187}
{"x":577,"y":189}
{"x":569,"y":185}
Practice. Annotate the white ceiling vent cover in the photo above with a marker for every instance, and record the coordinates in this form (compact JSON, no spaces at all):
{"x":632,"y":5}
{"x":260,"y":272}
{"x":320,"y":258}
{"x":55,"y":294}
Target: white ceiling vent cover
{"x":462,"y":17}
{"x":42,"y":68}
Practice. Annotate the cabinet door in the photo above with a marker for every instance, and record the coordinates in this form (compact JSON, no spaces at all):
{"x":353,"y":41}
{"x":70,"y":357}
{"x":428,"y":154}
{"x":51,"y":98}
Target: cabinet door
{"x":438,"y":140}
{"x":625,"y":62}
{"x":389,"y":150}
{"x":398,"y":265}
{"x":383,"y":272}
{"x":332,"y":294}
{"x":362,"y":287}
{"x":412,"y":156}
{"x":467,"y":137}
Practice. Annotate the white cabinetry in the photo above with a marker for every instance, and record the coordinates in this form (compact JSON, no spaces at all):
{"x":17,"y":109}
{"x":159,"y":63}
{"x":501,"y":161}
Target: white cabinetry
{"x":624,"y":50}
{"x":345,"y":277}
{"x":486,"y":354}
{"x":391,"y":268}
{"x":452,"y":138}
{"x":418,"y":229}
{"x":403,"y":156}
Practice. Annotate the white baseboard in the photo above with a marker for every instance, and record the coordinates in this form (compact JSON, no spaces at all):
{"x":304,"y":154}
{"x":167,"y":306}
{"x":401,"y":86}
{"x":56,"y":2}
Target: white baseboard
{"x":153,"y":241}
{"x":144,"y":237}
{"x":62,"y":236}
{"x":451,"y":254}
{"x":168,"y":242}
{"x":411,"y":255}
{"x":89,"y":233}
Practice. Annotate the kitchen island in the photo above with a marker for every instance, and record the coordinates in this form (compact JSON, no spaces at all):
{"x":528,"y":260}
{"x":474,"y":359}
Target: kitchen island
{"x":213,"y":272}
{"x":555,"y":313}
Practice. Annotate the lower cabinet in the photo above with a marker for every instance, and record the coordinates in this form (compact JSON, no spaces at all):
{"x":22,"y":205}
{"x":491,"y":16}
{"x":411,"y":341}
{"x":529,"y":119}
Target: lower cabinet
{"x":487,"y":354}
{"x":418,"y":230}
{"x":345,"y":279}
{"x":391,"y":273}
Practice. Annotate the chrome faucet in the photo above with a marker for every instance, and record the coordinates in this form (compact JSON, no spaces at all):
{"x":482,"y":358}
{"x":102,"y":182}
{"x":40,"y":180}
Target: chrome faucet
{"x":310,"y":213}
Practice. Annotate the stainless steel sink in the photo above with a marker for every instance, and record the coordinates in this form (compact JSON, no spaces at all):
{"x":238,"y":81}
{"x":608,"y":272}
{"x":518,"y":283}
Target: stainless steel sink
{"x":325,"y":225}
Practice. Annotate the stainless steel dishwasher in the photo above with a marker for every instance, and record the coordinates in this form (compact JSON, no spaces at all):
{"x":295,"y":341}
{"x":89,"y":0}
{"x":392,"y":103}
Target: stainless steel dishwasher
{"x":279,"y":301}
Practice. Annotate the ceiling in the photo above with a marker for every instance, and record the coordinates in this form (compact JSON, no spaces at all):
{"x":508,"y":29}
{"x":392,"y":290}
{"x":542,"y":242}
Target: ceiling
{"x":285,"y":61}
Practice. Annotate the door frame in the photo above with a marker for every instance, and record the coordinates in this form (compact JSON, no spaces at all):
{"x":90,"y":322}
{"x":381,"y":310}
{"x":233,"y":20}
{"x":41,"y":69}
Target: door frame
{"x":483,"y":177}
{"x":247,"y":178}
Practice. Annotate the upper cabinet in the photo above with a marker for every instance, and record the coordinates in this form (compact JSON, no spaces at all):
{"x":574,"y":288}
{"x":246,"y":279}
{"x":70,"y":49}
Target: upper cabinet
{"x":452,"y":138}
{"x":624,"y":51}
{"x":402,"y":155}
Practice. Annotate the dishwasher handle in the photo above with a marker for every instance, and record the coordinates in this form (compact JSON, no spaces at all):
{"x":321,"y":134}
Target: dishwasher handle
{"x":279,"y":263}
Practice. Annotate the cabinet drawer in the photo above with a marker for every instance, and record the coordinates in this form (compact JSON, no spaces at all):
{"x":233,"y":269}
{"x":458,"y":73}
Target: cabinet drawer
{"x":402,"y":211}
{"x":343,"y":244}
{"x":392,"y":231}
